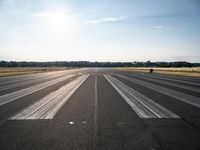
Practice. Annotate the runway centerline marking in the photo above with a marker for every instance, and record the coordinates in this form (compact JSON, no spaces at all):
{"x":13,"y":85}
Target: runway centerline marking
{"x":95,"y":138}
{"x":48,"y":106}
{"x":142,"y":105}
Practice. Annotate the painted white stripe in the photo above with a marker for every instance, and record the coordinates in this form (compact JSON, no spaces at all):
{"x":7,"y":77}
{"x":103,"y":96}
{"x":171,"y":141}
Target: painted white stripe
{"x":189,"y":99}
{"x":29,"y":81}
{"x":183,"y":79}
{"x":171,"y":79}
{"x":48,"y":106}
{"x":168,"y":83}
{"x":95,"y":137}
{"x":26,"y":77}
{"x":142,"y":105}
{"x":23,"y":92}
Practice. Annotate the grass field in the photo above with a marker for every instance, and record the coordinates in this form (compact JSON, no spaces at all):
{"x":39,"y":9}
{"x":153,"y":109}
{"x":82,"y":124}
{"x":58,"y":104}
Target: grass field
{"x":195,"y":71}
{"x":28,"y":70}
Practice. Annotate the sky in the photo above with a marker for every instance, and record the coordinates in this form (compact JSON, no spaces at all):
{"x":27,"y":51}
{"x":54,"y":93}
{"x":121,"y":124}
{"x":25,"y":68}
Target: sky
{"x":100,"y":30}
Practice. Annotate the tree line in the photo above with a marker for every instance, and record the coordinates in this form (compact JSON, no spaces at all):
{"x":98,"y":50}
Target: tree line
{"x":96,"y":64}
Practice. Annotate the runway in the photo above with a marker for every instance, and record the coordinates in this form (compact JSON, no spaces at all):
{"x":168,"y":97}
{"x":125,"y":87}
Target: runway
{"x":99,"y":109}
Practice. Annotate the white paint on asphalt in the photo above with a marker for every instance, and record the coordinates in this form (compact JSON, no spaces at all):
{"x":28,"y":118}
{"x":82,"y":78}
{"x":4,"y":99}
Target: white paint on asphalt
{"x":164,"y":77}
{"x":189,"y":99}
{"x":71,"y":122}
{"x":178,"y":77}
{"x":95,"y":137}
{"x":21,"y":78}
{"x":29,"y":81}
{"x":23,"y":92}
{"x":168,"y":83}
{"x":142,"y":105}
{"x":48,"y":106}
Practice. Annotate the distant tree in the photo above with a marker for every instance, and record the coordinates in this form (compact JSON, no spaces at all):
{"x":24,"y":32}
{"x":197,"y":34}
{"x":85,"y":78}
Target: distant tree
{"x":96,"y":64}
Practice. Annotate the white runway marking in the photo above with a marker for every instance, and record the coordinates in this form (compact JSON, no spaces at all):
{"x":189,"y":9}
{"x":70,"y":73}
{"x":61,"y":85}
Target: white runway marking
{"x":21,"y":93}
{"x":143,"y":106}
{"x":95,"y":137}
{"x":169,"y":83}
{"x":189,"y":99}
{"x":29,"y":81}
{"x":47,"y":107}
{"x":170,"y":79}
{"x":71,"y":122}
{"x":21,"y":78}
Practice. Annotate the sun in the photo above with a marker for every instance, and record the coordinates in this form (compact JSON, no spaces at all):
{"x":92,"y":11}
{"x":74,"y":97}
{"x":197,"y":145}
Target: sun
{"x":60,"y":22}
{"x":57,"y":21}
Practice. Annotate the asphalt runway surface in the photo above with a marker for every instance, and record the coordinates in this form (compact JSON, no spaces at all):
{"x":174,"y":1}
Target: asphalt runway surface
{"x":99,"y":109}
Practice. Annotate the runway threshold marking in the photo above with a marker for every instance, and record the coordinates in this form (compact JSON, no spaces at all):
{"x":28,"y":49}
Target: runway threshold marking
{"x":48,"y":106}
{"x":169,"y":83}
{"x":142,"y":105}
{"x":189,"y":99}
{"x":170,"y":79}
{"x":29,"y":81}
{"x":23,"y":92}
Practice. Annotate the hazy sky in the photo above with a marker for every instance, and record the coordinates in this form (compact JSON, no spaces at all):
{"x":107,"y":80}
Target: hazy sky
{"x":101,"y":30}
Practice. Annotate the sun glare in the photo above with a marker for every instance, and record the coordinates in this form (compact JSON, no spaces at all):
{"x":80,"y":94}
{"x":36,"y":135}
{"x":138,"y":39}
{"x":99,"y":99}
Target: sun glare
{"x":60,"y":22}
{"x":57,"y":21}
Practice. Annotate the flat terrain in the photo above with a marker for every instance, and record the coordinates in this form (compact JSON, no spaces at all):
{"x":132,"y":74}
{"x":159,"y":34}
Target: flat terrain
{"x":104,"y":109}
{"x":183,"y":71}
{"x":28,"y":70}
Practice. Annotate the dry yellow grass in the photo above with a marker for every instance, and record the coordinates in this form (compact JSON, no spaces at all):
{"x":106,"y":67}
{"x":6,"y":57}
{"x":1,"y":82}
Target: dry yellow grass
{"x":195,"y":71}
{"x":28,"y":70}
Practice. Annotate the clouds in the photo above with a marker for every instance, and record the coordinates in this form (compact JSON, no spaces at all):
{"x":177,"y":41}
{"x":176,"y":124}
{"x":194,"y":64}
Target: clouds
{"x":158,"y":27}
{"x":161,"y":27}
{"x":104,"y":20}
{"x":43,"y":14}
{"x":115,"y":29}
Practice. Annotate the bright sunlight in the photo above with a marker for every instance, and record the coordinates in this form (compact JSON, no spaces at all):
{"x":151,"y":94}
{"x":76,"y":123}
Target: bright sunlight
{"x":57,"y":21}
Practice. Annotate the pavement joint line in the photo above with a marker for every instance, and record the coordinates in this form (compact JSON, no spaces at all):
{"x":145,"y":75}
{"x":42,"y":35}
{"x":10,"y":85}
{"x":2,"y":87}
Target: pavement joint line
{"x":95,"y":137}
{"x":48,"y":106}
{"x":186,"y":98}
{"x":142,"y":105}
